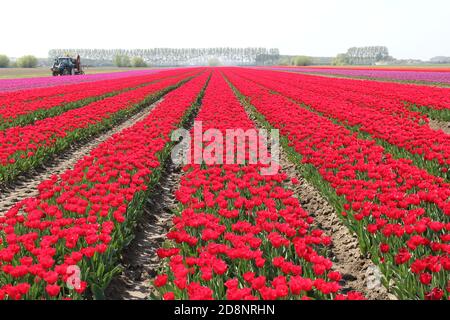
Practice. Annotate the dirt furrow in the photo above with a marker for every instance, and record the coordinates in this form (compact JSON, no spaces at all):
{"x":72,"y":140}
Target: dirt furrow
{"x":25,"y":185}
{"x":440,"y":125}
{"x":139,"y":260}
{"x":358,"y":271}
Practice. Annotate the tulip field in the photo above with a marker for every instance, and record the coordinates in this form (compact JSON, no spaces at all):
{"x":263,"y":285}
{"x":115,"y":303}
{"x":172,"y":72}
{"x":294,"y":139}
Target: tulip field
{"x":421,"y":75}
{"x":9,"y":85}
{"x":358,"y":208}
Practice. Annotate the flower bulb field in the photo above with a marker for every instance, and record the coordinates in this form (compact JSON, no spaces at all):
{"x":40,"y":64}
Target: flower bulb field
{"x":440,"y":76}
{"x":226,"y":183}
{"x":7,"y":85}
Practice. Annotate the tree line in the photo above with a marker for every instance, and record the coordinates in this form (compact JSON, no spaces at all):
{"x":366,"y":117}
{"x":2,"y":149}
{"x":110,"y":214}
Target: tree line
{"x":363,"y":56}
{"x":23,"y":62}
{"x":440,"y":60}
{"x":175,"y":57}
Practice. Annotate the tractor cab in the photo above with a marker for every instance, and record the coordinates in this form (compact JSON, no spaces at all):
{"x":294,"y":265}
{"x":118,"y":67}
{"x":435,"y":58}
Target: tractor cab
{"x":64,"y":66}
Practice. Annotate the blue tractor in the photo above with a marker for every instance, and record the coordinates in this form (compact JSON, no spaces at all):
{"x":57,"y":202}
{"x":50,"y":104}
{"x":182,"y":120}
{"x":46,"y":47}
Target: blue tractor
{"x":65,"y":66}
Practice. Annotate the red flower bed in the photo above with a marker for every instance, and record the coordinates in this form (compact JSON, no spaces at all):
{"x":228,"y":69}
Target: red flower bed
{"x":241,"y":235}
{"x":400,"y":213}
{"x":22,"y":148}
{"x":23,"y":107}
{"x":353,"y":94}
{"x":84,"y":217}
{"x":377,"y":117}
{"x":431,"y":97}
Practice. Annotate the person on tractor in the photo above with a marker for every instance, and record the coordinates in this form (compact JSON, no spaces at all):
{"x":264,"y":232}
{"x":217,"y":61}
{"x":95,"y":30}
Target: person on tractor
{"x":67,"y":66}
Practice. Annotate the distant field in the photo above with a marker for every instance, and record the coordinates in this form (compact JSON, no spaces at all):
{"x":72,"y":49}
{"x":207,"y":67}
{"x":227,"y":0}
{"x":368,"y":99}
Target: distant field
{"x":405,"y":74}
{"x":408,"y":67}
{"x":10,"y":73}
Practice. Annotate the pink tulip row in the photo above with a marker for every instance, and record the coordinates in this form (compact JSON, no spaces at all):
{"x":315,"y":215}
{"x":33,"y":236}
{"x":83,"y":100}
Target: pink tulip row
{"x":10,"y":85}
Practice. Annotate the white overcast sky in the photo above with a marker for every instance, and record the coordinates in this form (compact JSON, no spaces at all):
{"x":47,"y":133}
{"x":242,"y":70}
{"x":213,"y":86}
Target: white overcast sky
{"x":410,"y":28}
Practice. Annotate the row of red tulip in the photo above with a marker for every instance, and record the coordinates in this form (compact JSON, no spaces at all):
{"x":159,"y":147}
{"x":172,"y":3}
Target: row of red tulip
{"x":428,"y":148}
{"x":24,"y":107}
{"x":355,"y":94}
{"x":431,"y":97}
{"x":29,"y":95}
{"x":82,"y":218}
{"x":239,"y":234}
{"x":22,"y":148}
{"x":399,"y":212}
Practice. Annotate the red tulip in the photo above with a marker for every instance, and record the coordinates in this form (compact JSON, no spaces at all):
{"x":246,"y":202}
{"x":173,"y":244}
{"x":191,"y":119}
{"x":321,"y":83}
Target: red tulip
{"x":53,"y":290}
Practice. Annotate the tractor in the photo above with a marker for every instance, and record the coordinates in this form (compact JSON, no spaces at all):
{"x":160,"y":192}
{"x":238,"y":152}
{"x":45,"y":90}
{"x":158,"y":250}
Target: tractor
{"x":65,"y":66}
